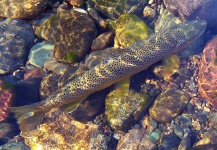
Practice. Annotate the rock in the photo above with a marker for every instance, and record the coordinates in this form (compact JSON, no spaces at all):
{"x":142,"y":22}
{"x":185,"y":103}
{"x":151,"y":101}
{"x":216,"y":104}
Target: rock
{"x":60,"y":131}
{"x":213,"y":120}
{"x":149,"y":124}
{"x":178,"y":130}
{"x":154,"y":136}
{"x":170,"y":65}
{"x":113,"y":9}
{"x":23,"y":9}
{"x":185,"y":144}
{"x":13,"y":145}
{"x":169,"y":142}
{"x":149,"y":13}
{"x":184,"y":121}
{"x":207,"y":83}
{"x":6,"y":96}
{"x":165,"y":20}
{"x":17,"y":38}
{"x":208,"y":137}
{"x":102,"y":41}
{"x":49,"y":85}
{"x":100,"y":22}
{"x":206,"y":146}
{"x":27,"y":91}
{"x":124,"y":107}
{"x":196,"y":125}
{"x":71,"y":32}
{"x":135,"y":139}
{"x":90,"y":107}
{"x":76,"y":3}
{"x":130,"y":29}
{"x":194,"y":9}
{"x":55,"y":67}
{"x":8,"y":130}
{"x":40,"y":53}
{"x":34,"y":73}
{"x":168,"y":105}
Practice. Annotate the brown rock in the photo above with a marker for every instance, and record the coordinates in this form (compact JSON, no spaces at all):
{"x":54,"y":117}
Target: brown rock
{"x":76,"y":3}
{"x":102,"y":40}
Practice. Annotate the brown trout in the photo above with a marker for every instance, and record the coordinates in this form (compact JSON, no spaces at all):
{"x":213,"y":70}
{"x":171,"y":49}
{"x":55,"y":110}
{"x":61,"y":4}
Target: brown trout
{"x":132,"y":60}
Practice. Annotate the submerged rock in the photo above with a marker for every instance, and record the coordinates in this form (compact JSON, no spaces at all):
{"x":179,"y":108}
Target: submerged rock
{"x":13,"y":145}
{"x":49,"y":85}
{"x":17,"y":38}
{"x":168,"y":105}
{"x":102,"y":40}
{"x":135,"y":139}
{"x":169,"y":142}
{"x":207,"y":74}
{"x":170,"y":65}
{"x":124,"y":107}
{"x":23,"y":9}
{"x":194,"y":9}
{"x":59,"y":131}
{"x":130,"y":29}
{"x":71,"y":32}
{"x":114,"y":8}
{"x":6,"y":96}
{"x":40,"y":53}
{"x":7,"y":130}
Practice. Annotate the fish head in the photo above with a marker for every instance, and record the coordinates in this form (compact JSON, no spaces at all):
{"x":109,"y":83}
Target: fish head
{"x":183,"y":34}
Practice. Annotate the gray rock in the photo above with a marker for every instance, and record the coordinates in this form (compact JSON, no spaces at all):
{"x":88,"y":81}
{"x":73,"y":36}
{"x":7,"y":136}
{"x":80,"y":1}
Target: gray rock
{"x":16,"y":38}
{"x":185,"y":144}
{"x":178,"y":131}
{"x":40,"y":53}
{"x":169,"y":142}
{"x":14,"y":146}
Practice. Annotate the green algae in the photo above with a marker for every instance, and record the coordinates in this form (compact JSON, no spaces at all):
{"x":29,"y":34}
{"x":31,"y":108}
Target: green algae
{"x":130,"y":29}
{"x":71,"y":57}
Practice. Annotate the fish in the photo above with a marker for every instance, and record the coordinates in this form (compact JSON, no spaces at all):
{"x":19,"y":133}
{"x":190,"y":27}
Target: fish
{"x":135,"y":58}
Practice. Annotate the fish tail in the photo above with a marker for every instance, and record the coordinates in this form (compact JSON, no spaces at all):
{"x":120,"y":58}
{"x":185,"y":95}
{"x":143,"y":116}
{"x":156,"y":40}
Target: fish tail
{"x":28,"y":117}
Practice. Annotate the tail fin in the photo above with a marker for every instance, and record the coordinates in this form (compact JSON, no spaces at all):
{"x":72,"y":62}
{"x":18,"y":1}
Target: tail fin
{"x":28,"y":117}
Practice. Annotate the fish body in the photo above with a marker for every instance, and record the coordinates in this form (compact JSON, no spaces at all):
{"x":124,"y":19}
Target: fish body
{"x":135,"y":58}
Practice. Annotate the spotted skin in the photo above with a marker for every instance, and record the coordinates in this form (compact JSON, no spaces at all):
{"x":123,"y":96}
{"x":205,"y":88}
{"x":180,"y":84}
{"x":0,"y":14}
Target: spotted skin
{"x":135,"y":58}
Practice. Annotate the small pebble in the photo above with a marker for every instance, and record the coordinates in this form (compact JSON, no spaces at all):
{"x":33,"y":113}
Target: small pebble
{"x":178,"y":131}
{"x":185,"y":144}
{"x":196,"y":125}
{"x":187,"y":131}
{"x":149,"y":12}
{"x":150,"y":2}
{"x":206,"y":109}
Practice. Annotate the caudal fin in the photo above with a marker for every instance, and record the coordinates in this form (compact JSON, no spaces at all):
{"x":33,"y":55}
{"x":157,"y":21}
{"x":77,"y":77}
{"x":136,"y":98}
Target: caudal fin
{"x":28,"y":117}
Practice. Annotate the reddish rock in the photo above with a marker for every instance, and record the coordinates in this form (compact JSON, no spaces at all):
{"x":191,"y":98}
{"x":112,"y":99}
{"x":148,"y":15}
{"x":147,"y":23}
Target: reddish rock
{"x":35,"y":73}
{"x":76,"y":3}
{"x":6,"y":96}
{"x":207,"y":75}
